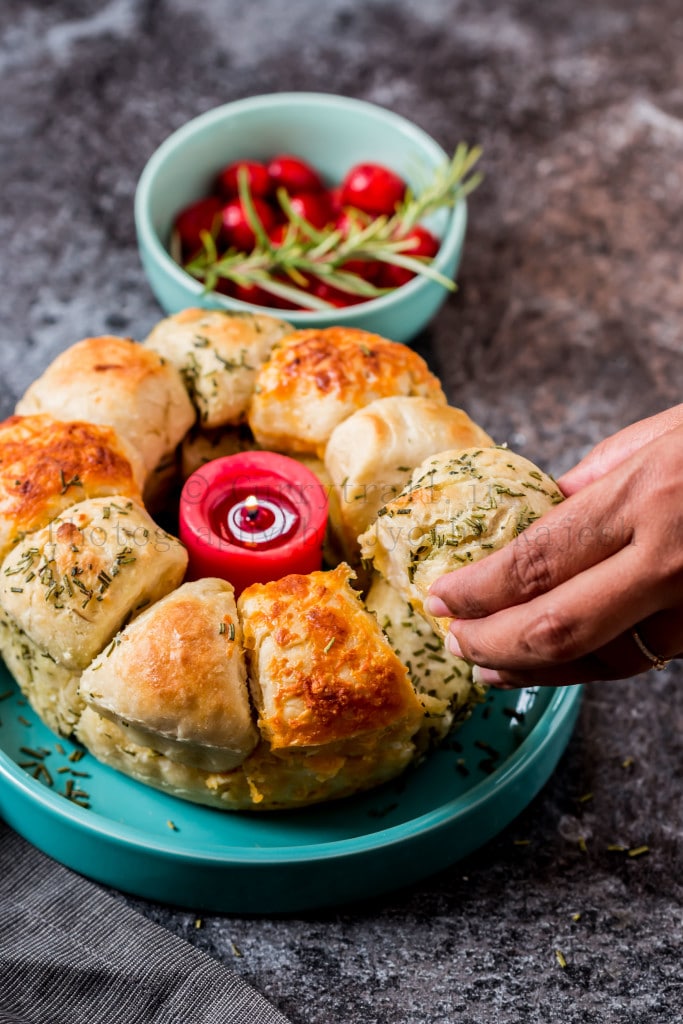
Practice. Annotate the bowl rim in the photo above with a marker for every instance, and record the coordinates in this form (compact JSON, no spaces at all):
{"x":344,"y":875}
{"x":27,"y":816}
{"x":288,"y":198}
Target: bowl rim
{"x":451,"y":239}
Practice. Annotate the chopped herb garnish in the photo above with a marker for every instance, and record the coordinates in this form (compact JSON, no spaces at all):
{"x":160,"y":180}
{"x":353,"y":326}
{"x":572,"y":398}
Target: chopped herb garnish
{"x":32,"y":753}
{"x":638,"y":851}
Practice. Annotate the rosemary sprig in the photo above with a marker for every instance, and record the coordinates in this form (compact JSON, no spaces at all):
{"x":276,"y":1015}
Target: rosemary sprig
{"x":307,"y":252}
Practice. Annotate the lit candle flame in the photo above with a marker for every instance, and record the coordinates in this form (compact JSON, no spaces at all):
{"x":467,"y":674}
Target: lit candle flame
{"x":251,"y":507}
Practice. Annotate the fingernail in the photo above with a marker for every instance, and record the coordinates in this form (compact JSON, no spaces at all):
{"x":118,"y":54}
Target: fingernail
{"x":485,"y":676}
{"x":453,"y":646}
{"x":436,"y":607}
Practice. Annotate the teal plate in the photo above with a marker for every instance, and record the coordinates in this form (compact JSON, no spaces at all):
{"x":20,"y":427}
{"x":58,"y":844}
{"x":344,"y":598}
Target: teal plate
{"x":153,"y":845}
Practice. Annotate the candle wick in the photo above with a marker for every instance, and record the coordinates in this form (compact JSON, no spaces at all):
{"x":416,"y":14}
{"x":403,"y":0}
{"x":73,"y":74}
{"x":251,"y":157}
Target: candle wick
{"x":252,"y":514}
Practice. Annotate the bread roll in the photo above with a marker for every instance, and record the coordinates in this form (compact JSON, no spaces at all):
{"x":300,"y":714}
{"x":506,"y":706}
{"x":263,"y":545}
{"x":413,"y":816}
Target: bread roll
{"x":218,"y":353}
{"x":176,"y":679}
{"x":115,"y":381}
{"x":321,"y":671}
{"x":71,"y":585}
{"x":46,"y":465}
{"x":442,"y":682}
{"x":314,"y":379}
{"x":51,"y":689}
{"x":458,"y":506}
{"x":371,"y":454}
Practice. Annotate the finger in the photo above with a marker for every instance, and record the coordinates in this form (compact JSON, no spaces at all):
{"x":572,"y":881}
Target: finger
{"x":616,"y":449}
{"x":584,"y":670}
{"x":578,"y":617}
{"x":568,"y":539}
{"x":618,"y":659}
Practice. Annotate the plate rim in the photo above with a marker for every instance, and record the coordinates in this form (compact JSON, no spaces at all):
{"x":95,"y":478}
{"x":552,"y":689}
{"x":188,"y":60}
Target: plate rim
{"x":562,"y":705}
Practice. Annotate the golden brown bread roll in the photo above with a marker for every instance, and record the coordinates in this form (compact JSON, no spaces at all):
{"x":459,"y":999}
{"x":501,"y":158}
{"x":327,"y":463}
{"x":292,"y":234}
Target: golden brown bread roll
{"x":218,"y":353}
{"x":176,"y":679}
{"x":71,"y":585}
{"x":46,"y":465}
{"x":320,"y":670}
{"x":316,"y":378}
{"x":116,"y":382}
{"x":371,"y":454}
{"x":442,"y":682}
{"x":458,"y":506}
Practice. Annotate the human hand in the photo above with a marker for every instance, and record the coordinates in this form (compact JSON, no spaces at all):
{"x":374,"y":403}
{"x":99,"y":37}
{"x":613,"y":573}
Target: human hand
{"x":559,"y":604}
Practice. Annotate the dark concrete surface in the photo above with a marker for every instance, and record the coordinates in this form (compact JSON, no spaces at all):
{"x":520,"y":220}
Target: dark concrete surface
{"x":567,"y":326}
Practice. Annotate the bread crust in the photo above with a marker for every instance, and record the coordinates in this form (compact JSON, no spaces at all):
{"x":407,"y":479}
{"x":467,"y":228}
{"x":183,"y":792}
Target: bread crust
{"x":321,"y":670}
{"x":371,"y":454}
{"x":218,"y":354}
{"x":316,"y":378}
{"x":71,"y":585}
{"x":119,"y":383}
{"x":458,"y":507}
{"x":176,"y":678}
{"x":46,"y":465}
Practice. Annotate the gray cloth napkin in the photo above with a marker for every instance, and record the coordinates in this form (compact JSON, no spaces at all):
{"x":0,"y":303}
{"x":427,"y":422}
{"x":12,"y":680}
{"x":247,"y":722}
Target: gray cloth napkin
{"x":71,"y":954}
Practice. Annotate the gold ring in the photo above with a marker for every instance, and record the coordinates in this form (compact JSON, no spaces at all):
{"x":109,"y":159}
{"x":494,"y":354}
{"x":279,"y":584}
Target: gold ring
{"x":657,"y":662}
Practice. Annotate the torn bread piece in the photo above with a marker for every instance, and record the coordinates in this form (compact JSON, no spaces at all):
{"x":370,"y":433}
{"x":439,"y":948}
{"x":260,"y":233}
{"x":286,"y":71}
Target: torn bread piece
{"x":458,"y":507}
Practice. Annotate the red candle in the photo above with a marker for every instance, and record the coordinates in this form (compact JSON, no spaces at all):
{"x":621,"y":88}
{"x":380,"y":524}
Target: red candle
{"x":252,"y":518}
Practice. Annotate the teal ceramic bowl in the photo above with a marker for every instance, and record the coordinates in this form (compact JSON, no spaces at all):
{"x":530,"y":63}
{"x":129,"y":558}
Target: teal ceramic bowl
{"x":331,"y":132}
{"x":156,"y":846}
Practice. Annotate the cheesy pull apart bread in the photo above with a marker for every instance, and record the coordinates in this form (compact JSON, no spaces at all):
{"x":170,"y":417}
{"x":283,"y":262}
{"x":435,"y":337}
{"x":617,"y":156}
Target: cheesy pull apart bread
{"x":322,"y":672}
{"x":46,"y":465}
{"x":335,"y":710}
{"x":370,"y":455}
{"x":314,"y":379}
{"x":218,"y":354}
{"x":176,"y":679}
{"x":71,"y":585}
{"x":442,"y":682}
{"x":458,"y":507}
{"x":119,"y":383}
{"x":50,"y":688}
